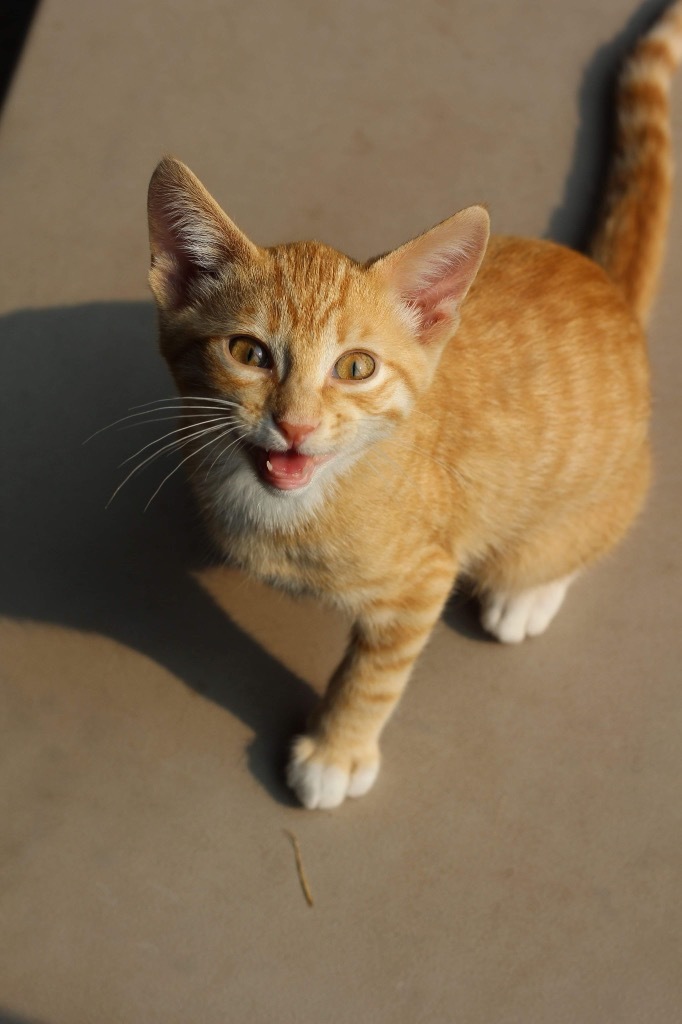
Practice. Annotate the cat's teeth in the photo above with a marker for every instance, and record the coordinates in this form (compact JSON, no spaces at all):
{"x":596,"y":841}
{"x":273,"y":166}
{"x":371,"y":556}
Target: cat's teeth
{"x":269,"y":465}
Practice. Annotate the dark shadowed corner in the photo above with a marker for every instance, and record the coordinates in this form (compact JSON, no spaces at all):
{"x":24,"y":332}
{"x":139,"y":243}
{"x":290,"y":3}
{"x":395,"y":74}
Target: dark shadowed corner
{"x":7,"y":1017}
{"x":16,"y":18}
{"x":573,"y":220}
{"x":119,"y":572}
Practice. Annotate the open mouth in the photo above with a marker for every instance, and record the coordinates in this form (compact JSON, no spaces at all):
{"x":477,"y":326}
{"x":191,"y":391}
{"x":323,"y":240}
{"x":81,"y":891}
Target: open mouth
{"x":287,"y":471}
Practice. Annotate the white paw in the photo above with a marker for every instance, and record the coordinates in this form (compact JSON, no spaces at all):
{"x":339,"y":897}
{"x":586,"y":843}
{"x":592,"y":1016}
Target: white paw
{"x":513,"y":617}
{"x":322,"y":778}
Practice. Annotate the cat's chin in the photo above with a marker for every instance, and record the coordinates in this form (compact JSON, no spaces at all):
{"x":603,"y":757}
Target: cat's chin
{"x":240,"y":499}
{"x":287,"y":471}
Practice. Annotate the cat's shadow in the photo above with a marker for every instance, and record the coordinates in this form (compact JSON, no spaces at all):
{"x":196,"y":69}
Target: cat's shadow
{"x":572,"y":221}
{"x":8,"y":1017}
{"x":462,"y":613}
{"x":122,"y":573}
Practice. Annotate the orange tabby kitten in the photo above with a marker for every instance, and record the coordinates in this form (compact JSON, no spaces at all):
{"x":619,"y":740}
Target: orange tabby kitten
{"x":364,"y":434}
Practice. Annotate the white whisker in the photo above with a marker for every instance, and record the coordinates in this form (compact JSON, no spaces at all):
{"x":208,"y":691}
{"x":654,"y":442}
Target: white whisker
{"x":188,"y":398}
{"x":181,"y":463}
{"x":223,"y":452}
{"x":233,"y":420}
{"x":178,"y":430}
{"x":177,"y":443}
{"x":150,"y":412}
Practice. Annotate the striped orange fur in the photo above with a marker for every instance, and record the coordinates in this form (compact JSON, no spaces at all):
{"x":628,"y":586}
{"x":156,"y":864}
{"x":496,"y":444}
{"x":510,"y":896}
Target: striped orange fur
{"x":630,"y":238}
{"x":458,"y":406}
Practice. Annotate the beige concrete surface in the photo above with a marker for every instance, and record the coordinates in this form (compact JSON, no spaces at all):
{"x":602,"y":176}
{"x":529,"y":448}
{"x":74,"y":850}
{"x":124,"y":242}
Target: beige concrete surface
{"x":519,"y":860}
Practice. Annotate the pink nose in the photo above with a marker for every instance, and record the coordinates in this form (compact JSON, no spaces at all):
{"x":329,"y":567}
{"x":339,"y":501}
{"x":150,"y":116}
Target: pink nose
{"x":296,"y":433}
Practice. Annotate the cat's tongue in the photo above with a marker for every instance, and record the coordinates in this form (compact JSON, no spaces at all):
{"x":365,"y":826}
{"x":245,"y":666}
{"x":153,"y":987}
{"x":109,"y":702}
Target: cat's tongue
{"x":287,"y":470}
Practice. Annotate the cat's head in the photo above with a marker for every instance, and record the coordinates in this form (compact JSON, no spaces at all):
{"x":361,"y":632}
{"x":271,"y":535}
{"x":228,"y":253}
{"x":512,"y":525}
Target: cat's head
{"x":315,"y":357}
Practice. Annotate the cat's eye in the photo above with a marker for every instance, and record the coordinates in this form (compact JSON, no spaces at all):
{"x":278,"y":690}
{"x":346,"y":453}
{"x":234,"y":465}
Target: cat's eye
{"x":355,"y":366}
{"x":249,"y":352}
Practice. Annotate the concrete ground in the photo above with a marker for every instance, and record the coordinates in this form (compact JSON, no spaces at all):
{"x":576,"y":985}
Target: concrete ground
{"x":519,"y":860}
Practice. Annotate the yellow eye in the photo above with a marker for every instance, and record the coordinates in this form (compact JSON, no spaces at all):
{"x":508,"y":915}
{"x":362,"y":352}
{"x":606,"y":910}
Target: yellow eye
{"x":250,"y":352}
{"x":355,"y":366}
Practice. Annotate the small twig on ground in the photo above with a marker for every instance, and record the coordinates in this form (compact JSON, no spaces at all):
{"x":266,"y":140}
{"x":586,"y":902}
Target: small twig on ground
{"x":299,"y":867}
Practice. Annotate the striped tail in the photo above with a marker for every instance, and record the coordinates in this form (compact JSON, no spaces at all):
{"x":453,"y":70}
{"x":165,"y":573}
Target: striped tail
{"x":630,"y":237}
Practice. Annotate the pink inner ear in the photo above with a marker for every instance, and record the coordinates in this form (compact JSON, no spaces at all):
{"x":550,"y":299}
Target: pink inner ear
{"x":436,"y":297}
{"x":186,"y":246}
{"x":429,"y":316}
{"x":432,"y":274}
{"x":179,"y":270}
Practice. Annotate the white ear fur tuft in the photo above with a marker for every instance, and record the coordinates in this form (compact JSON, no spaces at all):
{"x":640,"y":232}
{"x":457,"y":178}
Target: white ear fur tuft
{"x":430,"y":275}
{"x":190,"y":236}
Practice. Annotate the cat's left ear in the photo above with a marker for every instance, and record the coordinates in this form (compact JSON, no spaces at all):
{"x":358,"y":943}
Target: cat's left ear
{"x":191,"y":239}
{"x":430,"y":275}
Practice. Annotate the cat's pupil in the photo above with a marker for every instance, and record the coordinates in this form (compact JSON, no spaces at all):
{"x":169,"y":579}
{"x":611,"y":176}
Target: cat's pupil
{"x":249,"y":352}
{"x":355,"y":366}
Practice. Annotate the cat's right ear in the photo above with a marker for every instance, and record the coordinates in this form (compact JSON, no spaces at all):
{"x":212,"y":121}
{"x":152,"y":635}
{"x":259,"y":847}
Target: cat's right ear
{"x":429,"y":277}
{"x":190,"y":237}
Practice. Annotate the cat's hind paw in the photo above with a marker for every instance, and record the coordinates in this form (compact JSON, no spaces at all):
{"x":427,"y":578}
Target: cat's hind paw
{"x":513,"y":617}
{"x":322,"y":778}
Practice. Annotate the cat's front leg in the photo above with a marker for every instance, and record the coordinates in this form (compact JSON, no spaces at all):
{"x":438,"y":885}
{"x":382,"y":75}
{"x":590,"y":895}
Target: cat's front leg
{"x":339,"y":757}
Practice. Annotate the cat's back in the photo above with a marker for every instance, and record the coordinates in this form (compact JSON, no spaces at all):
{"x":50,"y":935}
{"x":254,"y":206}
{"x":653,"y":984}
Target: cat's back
{"x":545,"y":321}
{"x":544,"y":388}
{"x":547,"y":287}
